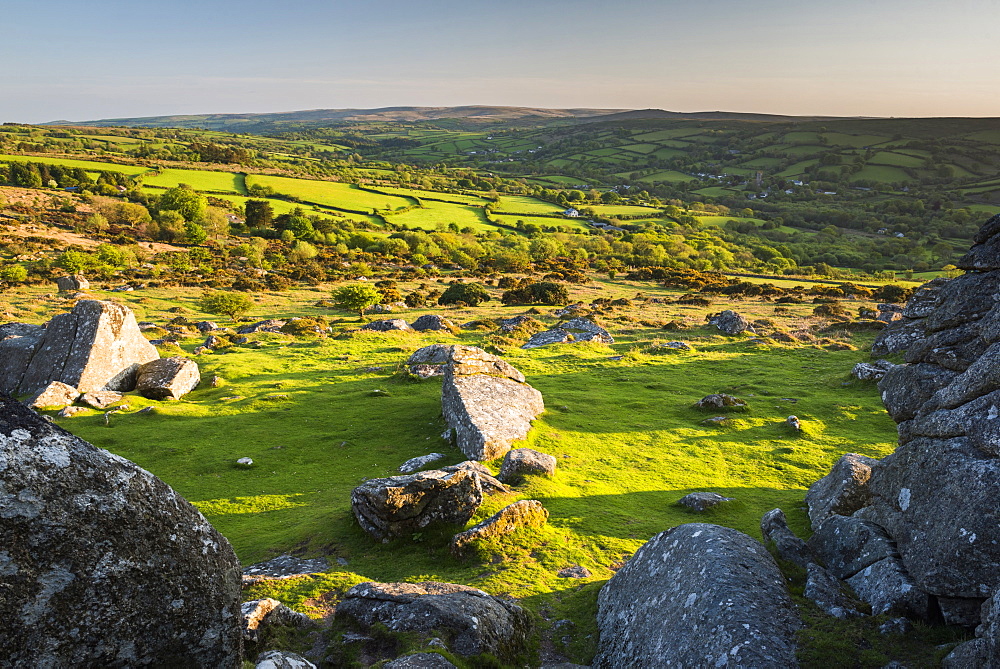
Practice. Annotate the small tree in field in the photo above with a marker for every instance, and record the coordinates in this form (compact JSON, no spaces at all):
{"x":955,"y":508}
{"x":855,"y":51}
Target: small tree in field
{"x":357,"y":297}
{"x":231,"y":304}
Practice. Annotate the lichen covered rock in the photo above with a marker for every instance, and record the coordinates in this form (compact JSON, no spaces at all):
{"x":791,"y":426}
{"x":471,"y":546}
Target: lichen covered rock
{"x":168,"y":378}
{"x":526,"y":513}
{"x":103,"y":564}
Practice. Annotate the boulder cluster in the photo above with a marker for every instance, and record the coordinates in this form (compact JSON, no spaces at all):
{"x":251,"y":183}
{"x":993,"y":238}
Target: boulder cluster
{"x":96,"y":348}
{"x":575,"y":330}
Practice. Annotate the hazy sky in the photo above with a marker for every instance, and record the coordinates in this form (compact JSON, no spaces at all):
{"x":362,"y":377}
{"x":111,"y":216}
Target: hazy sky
{"x":110,"y":58}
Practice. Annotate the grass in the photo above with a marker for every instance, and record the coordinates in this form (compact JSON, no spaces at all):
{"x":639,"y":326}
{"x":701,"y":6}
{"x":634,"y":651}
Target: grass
{"x":628,"y":442}
{"x":202,"y":180}
{"x":329,"y":193}
{"x":672,"y":176}
{"x":423,"y":194}
{"x":542,"y":221}
{"x":521,"y":204}
{"x":883,"y":173}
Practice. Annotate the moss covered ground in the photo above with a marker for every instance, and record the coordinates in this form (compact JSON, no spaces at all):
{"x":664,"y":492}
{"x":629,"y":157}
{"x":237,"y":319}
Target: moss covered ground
{"x":628,"y":442}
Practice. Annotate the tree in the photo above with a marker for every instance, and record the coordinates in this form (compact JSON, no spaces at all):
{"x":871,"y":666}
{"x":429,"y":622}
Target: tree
{"x":357,"y":297}
{"x":259,"y":214}
{"x":184,"y":200}
{"x":194,"y":233}
{"x":231,"y":304}
{"x":14,"y":274}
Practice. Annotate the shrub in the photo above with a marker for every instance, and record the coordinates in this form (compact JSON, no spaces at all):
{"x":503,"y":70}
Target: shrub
{"x":542,"y":292}
{"x":14,"y":274}
{"x":229,"y":303}
{"x":357,"y":297}
{"x":471,"y":294}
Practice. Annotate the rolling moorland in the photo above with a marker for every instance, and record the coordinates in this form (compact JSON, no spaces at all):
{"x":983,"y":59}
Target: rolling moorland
{"x":801,"y":225}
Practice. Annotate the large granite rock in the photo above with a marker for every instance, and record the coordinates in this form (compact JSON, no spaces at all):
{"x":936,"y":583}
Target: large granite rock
{"x":697,"y":595}
{"x":56,"y":394}
{"x":401,"y":505}
{"x":486,"y":403}
{"x":168,"y":378}
{"x":523,"y":514}
{"x":433,"y":322}
{"x":983,"y":652}
{"x":841,"y":492}
{"x":473,"y":621}
{"x":98,"y":346}
{"x":388,"y":325}
{"x":103,"y":564}
{"x":774,"y":528}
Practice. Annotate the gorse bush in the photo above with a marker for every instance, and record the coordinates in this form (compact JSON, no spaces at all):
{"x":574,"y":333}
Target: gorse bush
{"x":472,"y":294}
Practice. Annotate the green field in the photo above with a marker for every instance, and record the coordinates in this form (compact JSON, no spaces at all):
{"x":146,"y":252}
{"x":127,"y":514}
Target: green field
{"x":517,"y":204}
{"x":623,"y":210}
{"x":329,"y":193}
{"x":202,"y":180}
{"x":672,"y":176}
{"x":423,"y":194}
{"x":89,"y":165}
{"x":883,"y":173}
{"x":434,"y":215}
{"x":542,"y":221}
{"x":895,"y":159}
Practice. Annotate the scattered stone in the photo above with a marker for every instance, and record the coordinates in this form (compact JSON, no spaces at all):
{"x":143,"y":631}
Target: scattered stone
{"x":101,"y":399}
{"x":523,"y":461}
{"x":216,"y":381}
{"x":206,"y":326}
{"x":843,"y":491}
{"x":102,"y":563}
{"x":55,"y":394}
{"x":508,"y":325}
{"x":419,"y":661}
{"x":663,"y":607}
{"x":98,"y":346}
{"x":794,"y":423}
{"x":513,"y":517}
{"x":826,"y":592}
{"x":717,"y":420}
{"x":245,"y":462}
{"x":774,"y":528}
{"x":721,"y":401}
{"x":473,"y":621}
{"x":168,"y":378}
{"x":142,"y":412}
{"x":277,"y":397}
{"x":401,"y":505}
{"x":670,"y":347}
{"x":269,"y":325}
{"x":896,"y":626}
{"x":574,"y":571}
{"x":214,"y":342}
{"x":887,"y":313}
{"x":69,"y":412}
{"x":387,"y":325}
{"x":282,"y":659}
{"x":72,"y":283}
{"x":239,"y":341}
{"x":435,"y":354}
{"x":731,"y":323}
{"x":260,"y":614}
{"x":282,"y":567}
{"x":413,"y":464}
{"x":871,"y":371}
{"x":432,"y":322}
{"x":486,"y":402}
{"x":699,"y":501}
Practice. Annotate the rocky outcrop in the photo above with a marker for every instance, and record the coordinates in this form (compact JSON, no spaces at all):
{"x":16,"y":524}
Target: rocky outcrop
{"x":828,"y":594}
{"x":269,"y":325}
{"x":697,"y":595}
{"x":983,"y":652}
{"x":491,"y":485}
{"x":103,"y":564}
{"x":521,"y":462}
{"x":843,"y":491}
{"x":168,"y":378}
{"x":473,"y":621}
{"x":98,"y":346}
{"x":731,"y":323}
{"x":414,"y":464}
{"x":420,"y":661}
{"x":871,"y":371}
{"x":513,"y":517}
{"x":930,"y":507}
{"x":401,"y":505}
{"x":281,"y":659}
{"x":486,"y":403}
{"x":906,"y":327}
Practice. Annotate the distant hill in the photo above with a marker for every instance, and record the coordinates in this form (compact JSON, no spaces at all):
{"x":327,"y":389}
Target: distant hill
{"x":320,"y":117}
{"x":642,"y":114}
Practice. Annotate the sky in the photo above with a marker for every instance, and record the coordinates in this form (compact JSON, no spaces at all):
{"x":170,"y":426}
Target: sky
{"x":114,"y":59}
